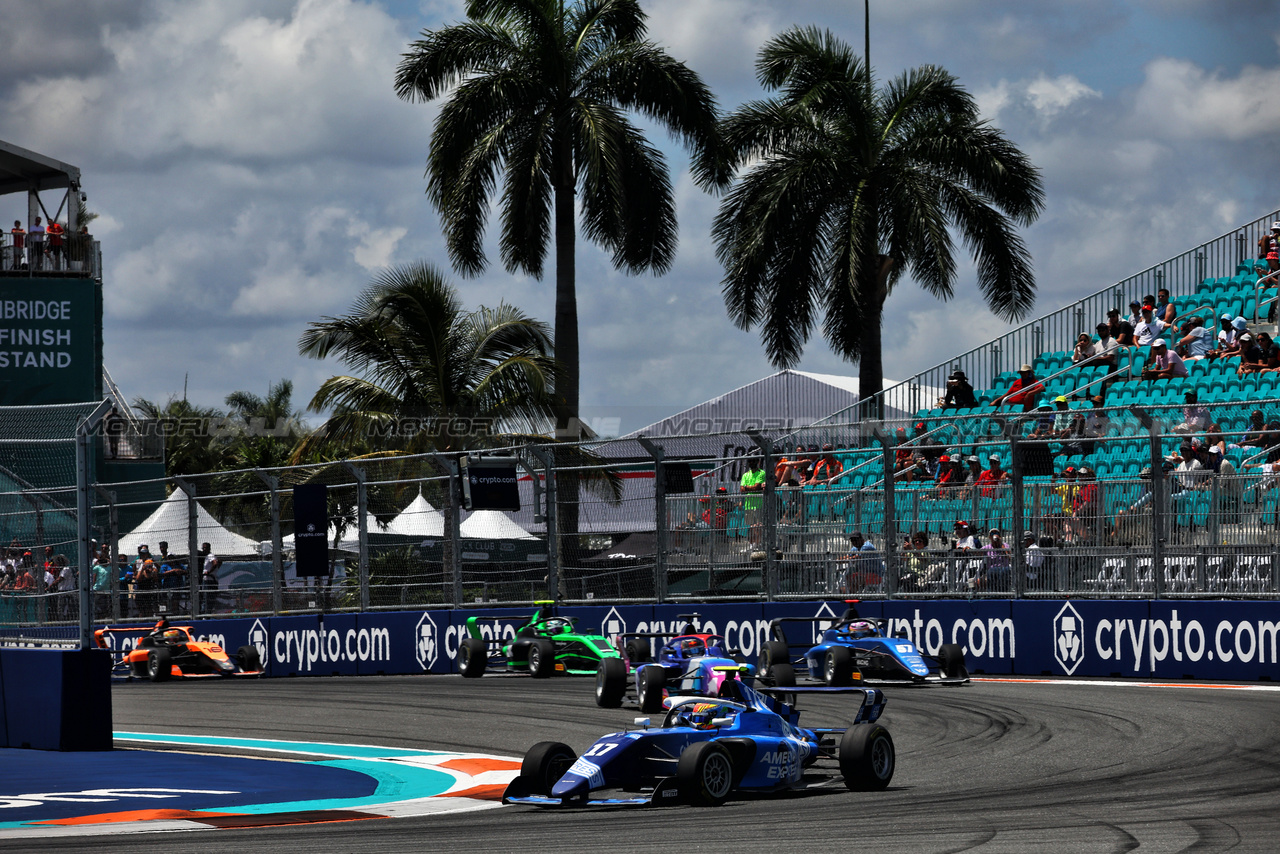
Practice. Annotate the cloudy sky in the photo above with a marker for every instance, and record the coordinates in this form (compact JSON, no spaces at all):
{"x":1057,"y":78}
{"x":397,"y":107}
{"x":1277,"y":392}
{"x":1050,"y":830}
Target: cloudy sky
{"x":252,"y":169}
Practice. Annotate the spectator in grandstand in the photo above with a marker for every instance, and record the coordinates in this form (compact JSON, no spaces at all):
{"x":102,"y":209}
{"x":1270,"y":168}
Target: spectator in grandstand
{"x":1164,"y":309}
{"x":1112,"y":322}
{"x":1033,"y":560}
{"x":792,"y":470}
{"x":55,"y":244}
{"x":916,"y":574}
{"x":1149,"y":327}
{"x":1257,"y":356}
{"x":1105,"y":349}
{"x":826,"y":469}
{"x":1164,"y":364}
{"x":35,"y":246}
{"x":1190,"y":472}
{"x":959,"y":393}
{"x":1195,"y":418}
{"x":865,"y":567}
{"x":1041,"y":422}
{"x":1124,"y":337}
{"x":752,"y":485}
{"x":995,"y":573}
{"x":993,"y":477}
{"x":1134,"y":317}
{"x":950,"y":474}
{"x":1269,"y":250}
{"x":19,"y":244}
{"x":1025,"y":391}
{"x":101,"y":586}
{"x":1085,"y":352}
{"x":902,"y":452}
{"x":127,"y":578}
{"x":1087,"y":501}
{"x":964,"y":541}
{"x":1196,"y":341}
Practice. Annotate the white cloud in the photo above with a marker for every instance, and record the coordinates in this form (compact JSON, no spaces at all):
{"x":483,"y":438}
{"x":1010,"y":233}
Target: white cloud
{"x":1046,"y":97}
{"x":1181,"y":99}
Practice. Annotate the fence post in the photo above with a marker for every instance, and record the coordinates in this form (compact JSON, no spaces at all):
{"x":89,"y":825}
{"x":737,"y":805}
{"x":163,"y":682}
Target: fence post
{"x":113,"y":541}
{"x":1014,"y":537}
{"x":890,"y":522}
{"x":193,"y":535}
{"x":362,"y":526}
{"x":84,"y":464}
{"x":450,"y":551}
{"x":660,"y":516}
{"x":37,"y":554}
{"x":556,"y":587}
{"x":769,"y":518}
{"x":277,"y":542}
{"x":1158,"y":504}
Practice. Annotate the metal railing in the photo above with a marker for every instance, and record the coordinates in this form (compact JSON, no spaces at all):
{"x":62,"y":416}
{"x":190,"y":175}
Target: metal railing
{"x":73,"y":255}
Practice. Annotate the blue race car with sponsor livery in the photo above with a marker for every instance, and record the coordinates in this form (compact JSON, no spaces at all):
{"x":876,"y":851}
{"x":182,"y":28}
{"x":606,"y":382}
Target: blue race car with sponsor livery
{"x":856,"y":650}
{"x":707,"y":747}
{"x":688,"y":663}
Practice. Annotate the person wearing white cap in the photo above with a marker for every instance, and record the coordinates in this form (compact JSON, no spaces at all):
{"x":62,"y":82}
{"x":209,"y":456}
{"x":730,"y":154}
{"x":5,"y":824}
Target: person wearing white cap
{"x":1165,"y":364}
{"x":1228,"y":338}
{"x":1024,"y":392}
{"x":1033,"y":557}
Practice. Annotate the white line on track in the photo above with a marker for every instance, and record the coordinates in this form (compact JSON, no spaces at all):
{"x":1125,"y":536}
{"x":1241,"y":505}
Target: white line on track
{"x":1211,"y":686}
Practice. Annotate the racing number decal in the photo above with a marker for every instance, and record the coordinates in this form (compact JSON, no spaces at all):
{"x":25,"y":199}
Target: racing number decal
{"x":599,"y":749}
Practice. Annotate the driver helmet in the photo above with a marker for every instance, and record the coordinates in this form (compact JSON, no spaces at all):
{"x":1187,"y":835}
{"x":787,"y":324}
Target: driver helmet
{"x":690,"y":646}
{"x":862,"y":628}
{"x":699,"y":715}
{"x":173,"y":634}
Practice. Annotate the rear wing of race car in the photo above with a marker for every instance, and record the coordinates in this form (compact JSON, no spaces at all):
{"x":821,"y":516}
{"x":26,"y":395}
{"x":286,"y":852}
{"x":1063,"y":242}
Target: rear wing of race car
{"x":100,"y":635}
{"x":872,"y":707}
{"x":474,"y":630}
{"x":775,"y":625}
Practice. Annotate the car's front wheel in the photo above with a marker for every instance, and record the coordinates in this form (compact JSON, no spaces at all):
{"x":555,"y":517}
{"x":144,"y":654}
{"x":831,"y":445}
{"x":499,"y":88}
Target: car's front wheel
{"x":611,"y":682}
{"x":544,"y":765}
{"x":159,"y":664}
{"x":248,"y":659}
{"x":837,"y":666}
{"x":542,"y":659}
{"x":704,"y":774}
{"x":651,"y":680}
{"x":867,"y":757}
{"x":951,"y":661}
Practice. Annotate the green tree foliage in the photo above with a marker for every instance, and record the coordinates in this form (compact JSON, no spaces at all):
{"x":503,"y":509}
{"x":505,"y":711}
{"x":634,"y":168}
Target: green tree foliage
{"x":843,"y":187}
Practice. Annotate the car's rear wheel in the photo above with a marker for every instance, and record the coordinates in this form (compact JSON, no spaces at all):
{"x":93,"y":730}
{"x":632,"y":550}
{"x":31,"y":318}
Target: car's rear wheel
{"x":783,"y":676}
{"x":611,"y":682}
{"x":542,"y":659}
{"x":867,"y":757}
{"x":837,"y":666}
{"x":544,"y":765}
{"x":951,"y":661}
{"x":248,"y":659}
{"x":650,"y":682}
{"x":637,"y":651}
{"x":772,"y":654}
{"x":473,"y":656}
{"x":704,"y":774}
{"x":159,"y":664}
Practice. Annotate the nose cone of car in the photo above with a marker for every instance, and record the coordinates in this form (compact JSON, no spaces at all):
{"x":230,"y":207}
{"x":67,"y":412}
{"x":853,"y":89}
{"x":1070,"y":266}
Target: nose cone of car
{"x":571,"y":785}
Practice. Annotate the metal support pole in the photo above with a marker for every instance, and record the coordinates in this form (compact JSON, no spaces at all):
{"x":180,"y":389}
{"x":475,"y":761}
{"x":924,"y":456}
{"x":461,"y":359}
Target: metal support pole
{"x":660,"y":517}
{"x":769,"y":518}
{"x":85,"y":431}
{"x":113,"y":542}
{"x":890,"y":522}
{"x":362,"y":511}
{"x":193,"y":540}
{"x":556,"y":587}
{"x":1158,"y":505}
{"x":277,"y":542}
{"x":1014,"y":537}
{"x":37,"y":552}
{"x":450,"y":549}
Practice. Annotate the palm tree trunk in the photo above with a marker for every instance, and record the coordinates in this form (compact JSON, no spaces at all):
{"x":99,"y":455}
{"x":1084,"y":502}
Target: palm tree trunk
{"x":566,"y":348}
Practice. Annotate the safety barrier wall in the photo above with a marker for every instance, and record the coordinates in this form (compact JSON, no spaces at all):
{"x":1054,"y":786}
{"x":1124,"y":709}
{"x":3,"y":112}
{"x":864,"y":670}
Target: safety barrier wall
{"x":55,"y":699}
{"x":1162,"y":639}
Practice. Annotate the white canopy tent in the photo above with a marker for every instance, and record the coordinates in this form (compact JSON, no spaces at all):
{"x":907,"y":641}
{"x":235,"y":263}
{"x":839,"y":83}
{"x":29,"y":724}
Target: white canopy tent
{"x":419,"y":519}
{"x":492,"y":525}
{"x":169,"y":523}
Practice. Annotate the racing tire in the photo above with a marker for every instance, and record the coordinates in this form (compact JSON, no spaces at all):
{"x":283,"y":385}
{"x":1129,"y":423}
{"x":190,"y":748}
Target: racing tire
{"x":704,"y":774}
{"x":637,"y":651}
{"x":473,"y":657}
{"x":783,"y":676}
{"x":650,"y":682}
{"x":159,"y":664}
{"x":248,"y":659}
{"x":837,"y":667}
{"x":867,"y":757}
{"x":951,"y":661}
{"x":544,"y":765}
{"x":611,"y":683}
{"x":542,"y":659}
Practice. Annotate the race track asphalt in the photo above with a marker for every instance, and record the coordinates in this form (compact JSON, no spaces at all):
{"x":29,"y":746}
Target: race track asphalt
{"x":994,"y":767}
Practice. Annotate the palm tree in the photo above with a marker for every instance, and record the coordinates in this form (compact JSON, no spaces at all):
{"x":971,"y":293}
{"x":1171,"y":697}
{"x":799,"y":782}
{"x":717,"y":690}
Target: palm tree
{"x":425,"y":367}
{"x":190,"y":446}
{"x":845,"y":187}
{"x":541,"y":92}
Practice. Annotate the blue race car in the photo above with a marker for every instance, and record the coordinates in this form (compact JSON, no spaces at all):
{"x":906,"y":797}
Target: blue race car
{"x":707,"y":747}
{"x":856,"y":650}
{"x":688,"y":663}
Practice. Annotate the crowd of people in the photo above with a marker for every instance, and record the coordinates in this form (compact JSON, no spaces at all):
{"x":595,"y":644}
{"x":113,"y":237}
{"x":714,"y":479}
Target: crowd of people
{"x":147,"y":584}
{"x":41,"y":247}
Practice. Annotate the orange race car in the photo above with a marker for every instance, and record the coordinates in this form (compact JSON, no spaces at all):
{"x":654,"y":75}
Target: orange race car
{"x":165,"y":651}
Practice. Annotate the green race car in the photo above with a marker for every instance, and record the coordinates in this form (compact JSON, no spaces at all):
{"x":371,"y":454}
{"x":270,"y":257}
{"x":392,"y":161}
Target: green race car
{"x":545,"y":644}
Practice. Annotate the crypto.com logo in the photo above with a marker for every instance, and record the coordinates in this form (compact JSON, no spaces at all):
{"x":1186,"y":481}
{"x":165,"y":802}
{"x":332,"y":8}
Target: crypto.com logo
{"x":258,"y":637}
{"x":613,"y":624}
{"x":426,"y":649}
{"x":1068,"y":638}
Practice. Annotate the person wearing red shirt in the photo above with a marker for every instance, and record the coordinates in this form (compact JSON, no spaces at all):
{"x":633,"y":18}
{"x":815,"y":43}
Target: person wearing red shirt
{"x":54,"y":234}
{"x":1024,"y":392}
{"x":826,"y":469}
{"x":992,"y":477}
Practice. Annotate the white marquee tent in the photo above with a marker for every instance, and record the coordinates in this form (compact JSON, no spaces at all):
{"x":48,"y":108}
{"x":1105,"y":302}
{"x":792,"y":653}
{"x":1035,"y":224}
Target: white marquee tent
{"x":169,"y":522}
{"x":419,"y":519}
{"x":492,"y":525}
